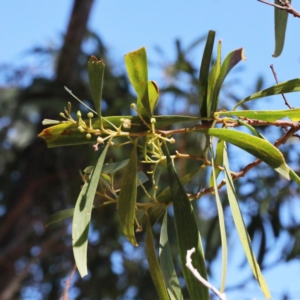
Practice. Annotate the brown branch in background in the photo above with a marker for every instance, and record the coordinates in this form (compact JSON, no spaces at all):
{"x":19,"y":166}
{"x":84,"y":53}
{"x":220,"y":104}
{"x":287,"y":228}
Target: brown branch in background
{"x":284,"y":5}
{"x":284,"y":98}
{"x":67,"y":67}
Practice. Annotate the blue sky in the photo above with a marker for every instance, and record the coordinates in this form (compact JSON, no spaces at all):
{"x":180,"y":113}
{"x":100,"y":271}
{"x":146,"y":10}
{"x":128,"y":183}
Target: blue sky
{"x":127,"y":25}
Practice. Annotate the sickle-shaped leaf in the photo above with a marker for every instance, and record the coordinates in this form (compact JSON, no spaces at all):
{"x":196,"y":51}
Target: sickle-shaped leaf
{"x":166,"y":262}
{"x":154,"y":268}
{"x":289,"y":86}
{"x":263,"y":115}
{"x":280,"y":20}
{"x":188,"y":236}
{"x":82,"y":215}
{"x":127,"y":197}
{"x":256,"y":146}
{"x":96,"y":73}
{"x":241,"y":229}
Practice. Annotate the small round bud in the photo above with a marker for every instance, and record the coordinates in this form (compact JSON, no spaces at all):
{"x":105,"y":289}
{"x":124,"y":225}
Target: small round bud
{"x":80,"y":128}
{"x":132,"y":105}
{"x":90,"y":115}
{"x":88,"y":136}
{"x":153,"y":120}
{"x":78,"y":114}
{"x":172,"y":141}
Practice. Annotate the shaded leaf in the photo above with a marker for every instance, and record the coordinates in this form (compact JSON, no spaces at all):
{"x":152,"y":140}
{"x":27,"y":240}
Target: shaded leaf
{"x":204,"y":73}
{"x":167,"y":266}
{"x":96,"y":73}
{"x":127,"y":197}
{"x":82,"y":216}
{"x":187,"y":233}
{"x":58,"y":216}
{"x":154,"y":268}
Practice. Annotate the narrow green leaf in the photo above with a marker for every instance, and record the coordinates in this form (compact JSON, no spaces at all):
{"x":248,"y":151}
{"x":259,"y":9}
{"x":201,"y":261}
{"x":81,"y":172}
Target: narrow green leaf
{"x":263,"y":115}
{"x":66,"y":134}
{"x":230,"y":61}
{"x":280,"y":22}
{"x":258,"y":147}
{"x":188,"y":236}
{"x":96,"y":73}
{"x":166,"y":262}
{"x":153,"y":92}
{"x":204,"y":72}
{"x":221,"y":217}
{"x":127,"y":197}
{"x":217,"y":161}
{"x":166,"y":195}
{"x":289,"y":86}
{"x":137,"y":69}
{"x":58,"y":216}
{"x":82,"y":216}
{"x":241,"y":229}
{"x":295,"y":177}
{"x":212,"y":79}
{"x":154,"y":268}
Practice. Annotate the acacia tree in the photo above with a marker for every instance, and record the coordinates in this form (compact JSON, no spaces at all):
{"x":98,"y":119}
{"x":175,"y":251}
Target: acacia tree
{"x":142,"y":198}
{"x":36,"y":259}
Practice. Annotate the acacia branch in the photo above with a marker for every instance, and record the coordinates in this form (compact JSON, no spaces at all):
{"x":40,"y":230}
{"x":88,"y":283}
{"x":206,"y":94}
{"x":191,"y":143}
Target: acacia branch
{"x":284,"y":5}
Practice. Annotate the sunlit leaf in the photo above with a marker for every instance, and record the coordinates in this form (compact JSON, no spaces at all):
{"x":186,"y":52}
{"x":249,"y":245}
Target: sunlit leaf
{"x":96,"y":73}
{"x":166,"y":262}
{"x":154,"y":268}
{"x":82,"y":216}
{"x":289,"y":86}
{"x":256,"y":146}
{"x":137,"y":69}
{"x":263,"y":115}
{"x":280,"y":20}
{"x":230,"y":61}
{"x":127,"y":197}
{"x":153,"y":92}
{"x":241,"y":229}
{"x":212,"y":79}
{"x":187,"y":233}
